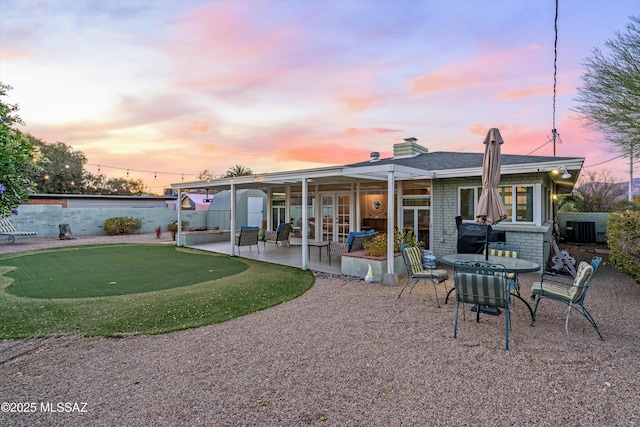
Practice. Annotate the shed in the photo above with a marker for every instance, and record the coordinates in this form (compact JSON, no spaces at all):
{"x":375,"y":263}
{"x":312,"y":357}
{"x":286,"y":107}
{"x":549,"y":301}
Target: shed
{"x":251,"y":206}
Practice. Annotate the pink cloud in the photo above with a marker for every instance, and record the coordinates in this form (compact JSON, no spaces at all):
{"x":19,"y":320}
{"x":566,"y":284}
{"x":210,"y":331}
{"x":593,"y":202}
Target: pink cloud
{"x":200,"y":126}
{"x":523,"y":93}
{"x":10,"y":53}
{"x":371,"y":131}
{"x":486,"y":69}
{"x":328,"y":153}
{"x":359,"y":104}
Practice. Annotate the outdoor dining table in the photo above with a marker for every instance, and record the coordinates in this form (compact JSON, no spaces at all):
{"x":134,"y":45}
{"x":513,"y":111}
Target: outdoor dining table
{"x":512,"y":265}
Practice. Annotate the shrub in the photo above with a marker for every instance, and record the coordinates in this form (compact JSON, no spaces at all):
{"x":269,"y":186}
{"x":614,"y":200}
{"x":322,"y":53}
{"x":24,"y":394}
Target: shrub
{"x":121,"y":225}
{"x":378,"y":246}
{"x":623,"y":231}
{"x":173,"y":227}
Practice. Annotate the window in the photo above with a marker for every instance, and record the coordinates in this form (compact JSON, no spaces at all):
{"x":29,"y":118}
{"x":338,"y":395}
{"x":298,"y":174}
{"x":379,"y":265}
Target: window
{"x":519,"y":201}
{"x":524,"y":204}
{"x":467,"y":203}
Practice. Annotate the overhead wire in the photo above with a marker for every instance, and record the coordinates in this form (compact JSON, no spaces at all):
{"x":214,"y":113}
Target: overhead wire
{"x":554,"y":132}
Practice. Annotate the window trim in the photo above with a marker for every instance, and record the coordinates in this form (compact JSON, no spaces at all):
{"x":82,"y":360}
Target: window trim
{"x":536,"y":201}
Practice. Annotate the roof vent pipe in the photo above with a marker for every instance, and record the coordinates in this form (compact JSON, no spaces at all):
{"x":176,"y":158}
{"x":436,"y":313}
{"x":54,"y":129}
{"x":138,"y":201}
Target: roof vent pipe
{"x":375,"y":156}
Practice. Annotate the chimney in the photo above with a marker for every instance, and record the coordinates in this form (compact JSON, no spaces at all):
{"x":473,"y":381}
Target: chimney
{"x":408,"y":148}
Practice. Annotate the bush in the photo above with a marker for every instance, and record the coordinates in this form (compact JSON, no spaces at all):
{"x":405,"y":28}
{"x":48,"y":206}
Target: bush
{"x":121,"y":225}
{"x":378,"y":246}
{"x":623,"y":231}
{"x":173,"y":227}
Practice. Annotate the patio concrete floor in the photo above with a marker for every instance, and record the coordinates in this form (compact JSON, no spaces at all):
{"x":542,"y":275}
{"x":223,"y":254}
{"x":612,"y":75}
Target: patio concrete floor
{"x":291,"y":256}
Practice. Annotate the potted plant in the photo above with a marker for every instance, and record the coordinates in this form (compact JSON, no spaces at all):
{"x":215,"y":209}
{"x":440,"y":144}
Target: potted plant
{"x":173,"y":227}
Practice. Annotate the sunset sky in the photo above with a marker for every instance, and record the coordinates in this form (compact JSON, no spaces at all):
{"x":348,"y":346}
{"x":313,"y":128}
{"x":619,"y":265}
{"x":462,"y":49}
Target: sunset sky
{"x":174,"y":87}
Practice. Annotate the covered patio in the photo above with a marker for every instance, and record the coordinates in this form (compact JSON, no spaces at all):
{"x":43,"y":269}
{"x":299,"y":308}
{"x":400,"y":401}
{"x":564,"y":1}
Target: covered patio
{"x":291,"y":256}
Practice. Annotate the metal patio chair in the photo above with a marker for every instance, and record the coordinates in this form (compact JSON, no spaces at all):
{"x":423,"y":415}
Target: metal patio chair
{"x":507,"y":250}
{"x":483,"y":284}
{"x":416,"y":271}
{"x":555,"y":287}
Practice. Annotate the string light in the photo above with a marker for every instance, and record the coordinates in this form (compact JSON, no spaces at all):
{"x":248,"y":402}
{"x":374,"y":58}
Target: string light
{"x":143,"y":171}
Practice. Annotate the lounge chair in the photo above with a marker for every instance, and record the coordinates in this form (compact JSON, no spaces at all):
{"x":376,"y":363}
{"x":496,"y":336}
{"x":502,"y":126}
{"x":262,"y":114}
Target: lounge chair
{"x":355,"y":242}
{"x":281,"y":235}
{"x":7,"y":229}
{"x":248,"y":236}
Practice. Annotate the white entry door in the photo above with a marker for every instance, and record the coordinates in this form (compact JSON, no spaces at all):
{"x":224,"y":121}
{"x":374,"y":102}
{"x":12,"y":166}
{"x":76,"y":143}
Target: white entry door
{"x":254,"y":211}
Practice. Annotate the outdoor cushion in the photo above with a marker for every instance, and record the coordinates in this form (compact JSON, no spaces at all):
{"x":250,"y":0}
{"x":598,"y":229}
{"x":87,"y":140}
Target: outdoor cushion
{"x":567,"y":292}
{"x":481,"y":289}
{"x":352,"y":236}
{"x":432,"y":274}
{"x":281,"y":225}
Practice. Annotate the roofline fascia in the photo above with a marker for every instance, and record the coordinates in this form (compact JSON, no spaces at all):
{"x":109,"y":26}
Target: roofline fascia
{"x":572,"y":164}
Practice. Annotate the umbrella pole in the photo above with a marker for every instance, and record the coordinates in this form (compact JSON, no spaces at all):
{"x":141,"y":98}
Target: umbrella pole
{"x":486,"y":243}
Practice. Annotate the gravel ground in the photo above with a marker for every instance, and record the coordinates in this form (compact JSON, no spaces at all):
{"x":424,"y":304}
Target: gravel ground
{"x":345,"y":353}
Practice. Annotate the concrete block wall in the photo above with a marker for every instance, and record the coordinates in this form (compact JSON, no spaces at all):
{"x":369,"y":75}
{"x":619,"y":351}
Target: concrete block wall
{"x":44,"y":219}
{"x":535,"y":245}
{"x":600,"y":218}
{"x":444,"y":207}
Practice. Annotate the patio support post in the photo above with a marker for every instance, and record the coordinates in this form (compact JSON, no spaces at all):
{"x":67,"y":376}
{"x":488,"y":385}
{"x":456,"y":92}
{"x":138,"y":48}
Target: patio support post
{"x":305,"y":226}
{"x":390,"y":277}
{"x":179,"y":206}
{"x":269,"y":204}
{"x":358,"y":208}
{"x":232,"y":195}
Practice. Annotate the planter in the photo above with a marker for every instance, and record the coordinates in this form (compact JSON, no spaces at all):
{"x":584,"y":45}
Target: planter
{"x":190,"y":238}
{"x":357,"y":264}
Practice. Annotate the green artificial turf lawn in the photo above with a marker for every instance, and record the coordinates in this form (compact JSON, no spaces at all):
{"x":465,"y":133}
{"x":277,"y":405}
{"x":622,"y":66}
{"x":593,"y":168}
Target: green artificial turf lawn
{"x":245,"y":286}
{"x":97,"y":271}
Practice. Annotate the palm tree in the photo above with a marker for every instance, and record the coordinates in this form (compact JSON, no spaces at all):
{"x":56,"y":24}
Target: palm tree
{"x":238,"y":170}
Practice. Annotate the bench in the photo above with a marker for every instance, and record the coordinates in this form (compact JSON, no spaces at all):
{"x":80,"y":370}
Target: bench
{"x":7,"y":229}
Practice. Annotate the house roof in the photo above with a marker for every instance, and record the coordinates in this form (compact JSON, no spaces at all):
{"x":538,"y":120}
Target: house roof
{"x":433,"y":165}
{"x":197,"y":197}
{"x":200,"y":201}
{"x":447,"y":160}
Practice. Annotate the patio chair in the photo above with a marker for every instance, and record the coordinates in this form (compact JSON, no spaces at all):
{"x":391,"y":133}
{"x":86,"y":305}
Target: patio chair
{"x":7,"y":229}
{"x":248,"y":236}
{"x":281,"y":235}
{"x":555,"y":287}
{"x":416,"y":271}
{"x":483,"y":284}
{"x":355,"y":242}
{"x":507,"y":250}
